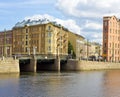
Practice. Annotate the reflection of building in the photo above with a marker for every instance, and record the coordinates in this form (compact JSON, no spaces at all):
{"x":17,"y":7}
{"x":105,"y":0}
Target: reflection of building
{"x":77,"y":42}
{"x":47,"y":38}
{"x":111,"y":38}
{"x":111,"y":83}
{"x":6,"y":43}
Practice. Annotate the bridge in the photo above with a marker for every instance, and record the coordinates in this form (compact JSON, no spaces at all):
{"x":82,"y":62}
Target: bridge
{"x":40,"y":63}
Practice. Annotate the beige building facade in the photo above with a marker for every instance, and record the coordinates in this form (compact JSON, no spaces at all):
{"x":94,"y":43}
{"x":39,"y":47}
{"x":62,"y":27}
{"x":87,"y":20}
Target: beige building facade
{"x":111,"y":38}
{"x":40,"y":39}
{"x":77,"y":42}
{"x":94,"y":49}
{"x":6,"y":43}
{"x":83,"y":48}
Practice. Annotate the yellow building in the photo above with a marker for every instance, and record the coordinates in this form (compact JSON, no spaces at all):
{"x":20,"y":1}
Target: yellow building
{"x":45,"y":39}
{"x":77,"y":42}
{"x":6,"y":43}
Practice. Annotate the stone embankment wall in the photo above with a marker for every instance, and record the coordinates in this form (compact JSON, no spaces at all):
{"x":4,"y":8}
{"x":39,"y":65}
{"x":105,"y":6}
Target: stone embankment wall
{"x":76,"y":65}
{"x":9,"y":65}
{"x":94,"y":65}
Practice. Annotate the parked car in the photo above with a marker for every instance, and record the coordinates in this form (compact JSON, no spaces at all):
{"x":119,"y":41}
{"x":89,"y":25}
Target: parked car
{"x":92,"y":58}
{"x":100,"y":58}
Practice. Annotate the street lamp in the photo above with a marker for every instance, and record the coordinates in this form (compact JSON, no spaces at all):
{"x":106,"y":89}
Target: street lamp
{"x":71,"y":53}
{"x":28,"y":49}
{"x":34,"y":50}
{"x":5,"y":51}
{"x":57,"y":51}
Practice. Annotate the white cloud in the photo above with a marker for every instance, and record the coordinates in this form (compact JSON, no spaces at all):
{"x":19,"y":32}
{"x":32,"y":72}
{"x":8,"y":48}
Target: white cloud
{"x":69,"y":23}
{"x":88,"y":8}
{"x":93,"y":36}
{"x":92,"y":25}
{"x":89,"y":14}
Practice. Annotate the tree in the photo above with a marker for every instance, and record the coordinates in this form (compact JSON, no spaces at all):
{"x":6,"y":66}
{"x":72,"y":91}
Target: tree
{"x":71,"y":50}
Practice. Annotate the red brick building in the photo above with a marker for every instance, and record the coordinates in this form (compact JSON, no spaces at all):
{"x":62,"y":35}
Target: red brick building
{"x":111,"y":38}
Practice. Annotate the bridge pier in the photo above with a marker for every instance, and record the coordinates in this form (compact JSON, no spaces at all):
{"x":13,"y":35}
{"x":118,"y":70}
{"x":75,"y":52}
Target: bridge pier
{"x":33,"y":62}
{"x":56,"y":66}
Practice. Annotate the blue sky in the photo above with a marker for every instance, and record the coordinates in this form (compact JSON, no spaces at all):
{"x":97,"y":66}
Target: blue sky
{"x":13,"y":11}
{"x":80,"y":16}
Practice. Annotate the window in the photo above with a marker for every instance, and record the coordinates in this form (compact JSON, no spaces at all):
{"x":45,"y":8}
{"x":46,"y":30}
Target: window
{"x":49,"y":40}
{"x":26,"y":49}
{"x":118,"y":38}
{"x":105,"y":23}
{"x":49,"y":34}
{"x":110,"y":51}
{"x":49,"y":27}
{"x":49,"y":48}
{"x":105,"y":37}
{"x":105,"y":44}
{"x":61,"y":37}
{"x":26,"y":42}
{"x":105,"y":29}
{"x":110,"y":44}
{"x":26,"y":36}
{"x":26,"y":30}
{"x":42,"y":34}
{"x":110,"y":30}
{"x":116,"y":45}
{"x":61,"y":43}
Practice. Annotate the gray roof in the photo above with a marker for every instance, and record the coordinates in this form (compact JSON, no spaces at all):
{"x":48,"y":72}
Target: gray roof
{"x":31,"y":22}
{"x":37,"y":22}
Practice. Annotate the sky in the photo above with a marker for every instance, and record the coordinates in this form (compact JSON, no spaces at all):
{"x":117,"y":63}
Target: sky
{"x":83,"y":17}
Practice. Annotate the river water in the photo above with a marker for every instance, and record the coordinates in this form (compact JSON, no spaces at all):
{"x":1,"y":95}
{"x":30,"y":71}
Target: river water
{"x":61,"y":84}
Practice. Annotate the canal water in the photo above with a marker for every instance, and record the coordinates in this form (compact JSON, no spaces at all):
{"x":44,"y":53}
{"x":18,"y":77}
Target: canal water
{"x":62,"y":84}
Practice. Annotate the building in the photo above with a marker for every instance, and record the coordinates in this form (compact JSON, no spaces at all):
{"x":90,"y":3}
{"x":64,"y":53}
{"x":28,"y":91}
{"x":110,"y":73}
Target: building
{"x":6,"y":43}
{"x":77,"y":42}
{"x":111,"y":38}
{"x":39,"y":37}
{"x":95,"y":49}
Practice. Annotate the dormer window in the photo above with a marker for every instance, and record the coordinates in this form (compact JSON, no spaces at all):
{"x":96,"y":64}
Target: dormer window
{"x":49,"y":27}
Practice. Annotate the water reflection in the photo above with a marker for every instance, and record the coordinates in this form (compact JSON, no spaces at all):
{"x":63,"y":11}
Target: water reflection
{"x":9,"y":85}
{"x":64,"y":84}
{"x":111,"y":84}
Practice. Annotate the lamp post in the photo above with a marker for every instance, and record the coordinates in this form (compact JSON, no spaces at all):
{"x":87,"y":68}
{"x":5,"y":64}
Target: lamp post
{"x":28,"y":49}
{"x":58,"y":59}
{"x":34,"y":50}
{"x":4,"y":43}
{"x":87,"y":49}
{"x":71,"y":53}
{"x":57,"y":51}
{"x":112,"y":52}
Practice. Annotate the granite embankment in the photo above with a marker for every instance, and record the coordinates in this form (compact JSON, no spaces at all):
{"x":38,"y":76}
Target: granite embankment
{"x":76,"y":65}
{"x":9,"y":65}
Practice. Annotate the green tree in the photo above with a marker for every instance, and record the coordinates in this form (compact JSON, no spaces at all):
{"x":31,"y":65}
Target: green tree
{"x":71,"y":50}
